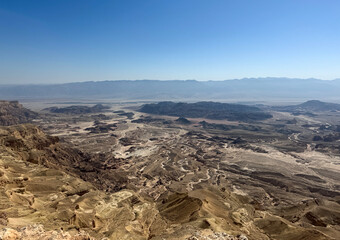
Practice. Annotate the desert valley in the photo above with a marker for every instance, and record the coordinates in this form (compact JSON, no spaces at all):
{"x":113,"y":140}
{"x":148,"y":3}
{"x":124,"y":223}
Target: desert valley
{"x":169,"y":120}
{"x":204,"y":170}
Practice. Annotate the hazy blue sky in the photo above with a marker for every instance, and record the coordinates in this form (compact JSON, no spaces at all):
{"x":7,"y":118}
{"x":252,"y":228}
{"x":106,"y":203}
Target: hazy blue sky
{"x":66,"y":40}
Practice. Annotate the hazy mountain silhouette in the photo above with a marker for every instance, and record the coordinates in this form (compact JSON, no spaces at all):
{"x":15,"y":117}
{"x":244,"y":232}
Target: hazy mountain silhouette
{"x":248,"y":88}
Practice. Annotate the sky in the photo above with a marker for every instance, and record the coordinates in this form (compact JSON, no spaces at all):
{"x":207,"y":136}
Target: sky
{"x":57,"y":41}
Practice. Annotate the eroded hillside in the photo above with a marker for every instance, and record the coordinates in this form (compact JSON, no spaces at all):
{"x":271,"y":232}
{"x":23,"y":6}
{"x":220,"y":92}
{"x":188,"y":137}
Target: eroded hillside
{"x":122,"y":175}
{"x":34,"y":190}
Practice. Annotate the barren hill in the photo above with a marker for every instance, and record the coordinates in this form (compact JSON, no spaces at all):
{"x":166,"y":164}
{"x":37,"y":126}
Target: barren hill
{"x":78,"y":109}
{"x":209,"y":110}
{"x":311,"y":105}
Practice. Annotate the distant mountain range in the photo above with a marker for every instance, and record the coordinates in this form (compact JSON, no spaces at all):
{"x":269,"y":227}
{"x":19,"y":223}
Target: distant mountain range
{"x":242,"y":89}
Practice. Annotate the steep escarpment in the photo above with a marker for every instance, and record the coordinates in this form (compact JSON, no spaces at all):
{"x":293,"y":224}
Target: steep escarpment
{"x":11,"y":113}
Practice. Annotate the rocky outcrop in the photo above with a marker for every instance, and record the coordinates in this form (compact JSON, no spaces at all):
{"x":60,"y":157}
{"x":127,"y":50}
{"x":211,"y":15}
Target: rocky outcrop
{"x":182,"y":120}
{"x":38,"y":232}
{"x":11,"y":113}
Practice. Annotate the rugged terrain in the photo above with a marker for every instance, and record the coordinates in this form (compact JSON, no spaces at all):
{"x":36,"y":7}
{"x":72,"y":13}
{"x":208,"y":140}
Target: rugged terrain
{"x":123,"y":174}
{"x":37,"y":189}
{"x":11,"y":112}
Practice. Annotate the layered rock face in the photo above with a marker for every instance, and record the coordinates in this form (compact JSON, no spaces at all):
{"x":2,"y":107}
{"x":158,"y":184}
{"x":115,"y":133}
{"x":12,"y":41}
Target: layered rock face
{"x":11,"y":113}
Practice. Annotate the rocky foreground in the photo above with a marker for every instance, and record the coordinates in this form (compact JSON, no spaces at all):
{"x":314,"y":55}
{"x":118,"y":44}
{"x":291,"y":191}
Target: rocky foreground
{"x":39,"y":196}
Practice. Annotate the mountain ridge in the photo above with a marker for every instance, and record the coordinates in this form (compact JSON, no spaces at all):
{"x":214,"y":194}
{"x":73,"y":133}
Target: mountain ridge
{"x":311,"y":105}
{"x":209,"y":110}
{"x":251,"y":88}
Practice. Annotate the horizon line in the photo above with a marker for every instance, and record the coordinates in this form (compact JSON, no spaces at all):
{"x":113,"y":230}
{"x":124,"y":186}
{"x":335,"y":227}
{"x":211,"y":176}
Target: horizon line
{"x":169,"y":80}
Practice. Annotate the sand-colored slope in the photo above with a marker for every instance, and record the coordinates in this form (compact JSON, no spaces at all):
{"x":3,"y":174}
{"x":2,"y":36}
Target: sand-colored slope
{"x":33,"y":194}
{"x":42,"y":182}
